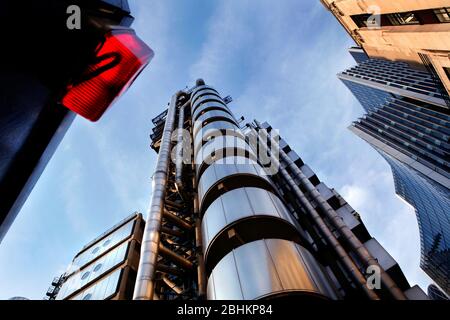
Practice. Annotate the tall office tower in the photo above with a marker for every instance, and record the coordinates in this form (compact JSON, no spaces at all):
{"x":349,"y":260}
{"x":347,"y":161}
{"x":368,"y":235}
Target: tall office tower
{"x":417,"y":32}
{"x":242,"y":217}
{"x":105,"y":268}
{"x":408,"y":124}
{"x":434,"y":293}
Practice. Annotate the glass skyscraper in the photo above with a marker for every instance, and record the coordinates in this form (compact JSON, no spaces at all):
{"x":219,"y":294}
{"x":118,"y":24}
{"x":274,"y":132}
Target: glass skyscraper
{"x":407,"y":123}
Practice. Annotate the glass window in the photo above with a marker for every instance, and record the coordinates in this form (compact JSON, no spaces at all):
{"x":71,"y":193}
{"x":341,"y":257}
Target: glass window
{"x":98,"y":267}
{"x":443,"y":14}
{"x":114,"y":238}
{"x":87,"y":297}
{"x":361,"y":20}
{"x":403,"y":18}
{"x":101,"y":290}
{"x":447,"y":72}
{"x":107,"y":262}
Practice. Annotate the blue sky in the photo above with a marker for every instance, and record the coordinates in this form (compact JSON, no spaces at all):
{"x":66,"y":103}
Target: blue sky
{"x":279,"y":62}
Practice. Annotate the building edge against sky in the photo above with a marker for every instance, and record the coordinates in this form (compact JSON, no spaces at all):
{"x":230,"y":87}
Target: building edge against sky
{"x":413,"y":136}
{"x":407,"y":118}
{"x":417,"y":32}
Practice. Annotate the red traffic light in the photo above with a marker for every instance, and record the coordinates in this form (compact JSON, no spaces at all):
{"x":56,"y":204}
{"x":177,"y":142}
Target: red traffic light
{"x":119,"y":60}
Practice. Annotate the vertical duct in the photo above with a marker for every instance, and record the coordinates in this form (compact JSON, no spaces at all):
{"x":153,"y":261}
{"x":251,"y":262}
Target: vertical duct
{"x":144,"y":287}
{"x":356,"y":245}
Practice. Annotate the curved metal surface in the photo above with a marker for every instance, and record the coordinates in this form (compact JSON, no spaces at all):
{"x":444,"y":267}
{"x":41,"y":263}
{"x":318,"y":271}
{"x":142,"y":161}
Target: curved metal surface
{"x":227,"y":174}
{"x":222,"y":141}
{"x":211,"y":116}
{"x":213,"y":105}
{"x":197,"y":91}
{"x":219,"y":148}
{"x":204,"y":92}
{"x":144,"y":288}
{"x":216,"y":129}
{"x":204,"y":99}
{"x":241,"y":216}
{"x":267,"y":269}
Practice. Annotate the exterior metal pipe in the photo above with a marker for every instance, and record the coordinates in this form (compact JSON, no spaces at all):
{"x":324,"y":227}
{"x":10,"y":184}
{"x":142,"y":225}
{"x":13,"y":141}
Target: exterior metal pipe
{"x":177,"y":220}
{"x":356,"y":245}
{"x":169,"y":270}
{"x":175,"y":258}
{"x":179,"y":152}
{"x":201,"y":274}
{"x":172,"y":285}
{"x":353,"y":270}
{"x":172,"y":232}
{"x":144,"y":288}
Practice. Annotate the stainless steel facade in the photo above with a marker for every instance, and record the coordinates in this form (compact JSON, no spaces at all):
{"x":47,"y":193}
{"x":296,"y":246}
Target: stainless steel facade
{"x":268,"y":267}
{"x":254,"y":236}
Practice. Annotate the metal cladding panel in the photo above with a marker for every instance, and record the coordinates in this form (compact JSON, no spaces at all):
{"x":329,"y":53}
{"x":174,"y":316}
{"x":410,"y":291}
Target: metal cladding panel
{"x":211,"y":116}
{"x":204,"y":93}
{"x":218,"y":143}
{"x":94,"y":271}
{"x":103,"y":289}
{"x":206,"y":98}
{"x":221,"y":147}
{"x":383,"y":257}
{"x":252,"y":213}
{"x":198,"y":91}
{"x":241,"y":168}
{"x":416,"y":293}
{"x":240,"y":204}
{"x":103,"y":245}
{"x":346,"y":213}
{"x":216,"y":129}
{"x":266,"y":269}
{"x":325,"y":192}
{"x":205,"y":107}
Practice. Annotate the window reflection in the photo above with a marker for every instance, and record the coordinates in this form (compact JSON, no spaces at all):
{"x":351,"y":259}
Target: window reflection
{"x":102,"y":290}
{"x":115,"y":238}
{"x":88,"y":274}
